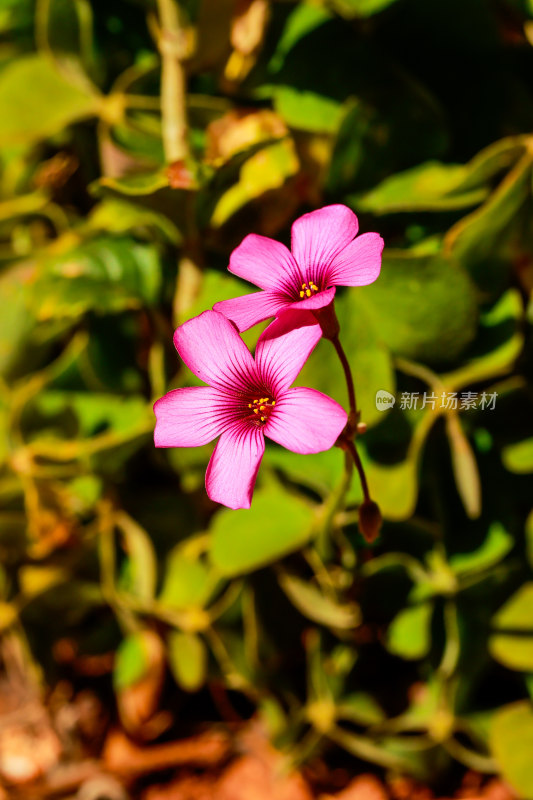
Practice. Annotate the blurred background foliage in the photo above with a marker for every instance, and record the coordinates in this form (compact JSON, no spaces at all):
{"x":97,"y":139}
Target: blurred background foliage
{"x":139,"y":142}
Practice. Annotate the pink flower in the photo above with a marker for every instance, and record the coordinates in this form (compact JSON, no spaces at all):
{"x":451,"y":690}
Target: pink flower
{"x":245,"y":400}
{"x":325,"y":254}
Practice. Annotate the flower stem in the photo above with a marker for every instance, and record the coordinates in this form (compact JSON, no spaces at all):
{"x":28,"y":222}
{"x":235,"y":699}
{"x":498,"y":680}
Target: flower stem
{"x":353,"y":417}
{"x":351,"y":448}
{"x":349,"y":379}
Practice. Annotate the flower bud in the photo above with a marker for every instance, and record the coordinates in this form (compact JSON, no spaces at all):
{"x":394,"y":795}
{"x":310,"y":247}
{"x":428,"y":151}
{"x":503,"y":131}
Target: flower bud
{"x":370,"y":520}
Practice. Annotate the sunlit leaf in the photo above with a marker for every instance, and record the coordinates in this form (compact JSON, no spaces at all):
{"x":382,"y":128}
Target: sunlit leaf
{"x":317,"y":606}
{"x":519,"y":457}
{"x":101,"y":275}
{"x":494,"y":548}
{"x":408,"y":635}
{"x":511,"y":741}
{"x":188,"y":582}
{"x":512,"y":642}
{"x":32,"y":116}
{"x":245,"y":540}
{"x":131,"y":661}
{"x":187,"y":657}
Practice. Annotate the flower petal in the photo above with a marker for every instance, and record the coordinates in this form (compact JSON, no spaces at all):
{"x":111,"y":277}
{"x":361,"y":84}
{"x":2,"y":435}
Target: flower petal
{"x":359,"y":263}
{"x":318,"y":300}
{"x":211,"y":347}
{"x":306,"y":421}
{"x":318,"y":237}
{"x":190,"y":417}
{"x":249,"y":309}
{"x":232,"y":470}
{"x":284,"y":347}
{"x":265,"y":262}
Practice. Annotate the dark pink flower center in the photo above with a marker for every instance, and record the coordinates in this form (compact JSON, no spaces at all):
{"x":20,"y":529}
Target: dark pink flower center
{"x":260,"y":409}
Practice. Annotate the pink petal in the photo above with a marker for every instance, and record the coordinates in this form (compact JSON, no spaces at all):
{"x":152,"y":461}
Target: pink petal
{"x":232,"y":470}
{"x":306,"y":421}
{"x":213,"y":350}
{"x":190,"y":417}
{"x":359,"y":263}
{"x":284,"y":347}
{"x":252,"y":308}
{"x":265,"y":262}
{"x":318,"y":300}
{"x":318,"y":237}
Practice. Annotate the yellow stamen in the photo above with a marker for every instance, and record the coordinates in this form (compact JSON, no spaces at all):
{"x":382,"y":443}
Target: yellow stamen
{"x":302,"y":294}
{"x":308,"y":292}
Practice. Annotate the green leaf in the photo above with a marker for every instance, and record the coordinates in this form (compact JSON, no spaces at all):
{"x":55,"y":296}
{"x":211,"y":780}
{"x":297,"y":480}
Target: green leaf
{"x":245,"y":540}
{"x":511,"y":742}
{"x":188,"y":582}
{"x":424,"y":306}
{"x":304,"y":18}
{"x":66,"y":28}
{"x":512,"y":643}
{"x":464,"y":466}
{"x":492,"y":551}
{"x":115,"y":215}
{"x":131,"y":661}
{"x":518,"y":457}
{"x":321,"y":472}
{"x":267,"y":169}
{"x":16,"y":321}
{"x":142,"y":558}
{"x":409,"y":634}
{"x":433,"y":186}
{"x":95,"y":411}
{"x":102,"y":275}
{"x":187,"y":656}
{"x":137,"y":185}
{"x":316,"y":606}
{"x":481,"y":240}
{"x":308,"y":110}
{"x":427,"y":187}
{"x":32,"y":114}
{"x":361,"y":8}
{"x":497,"y":345}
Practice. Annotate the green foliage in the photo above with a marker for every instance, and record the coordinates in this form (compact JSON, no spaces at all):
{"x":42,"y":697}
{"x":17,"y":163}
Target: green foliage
{"x":119,"y":210}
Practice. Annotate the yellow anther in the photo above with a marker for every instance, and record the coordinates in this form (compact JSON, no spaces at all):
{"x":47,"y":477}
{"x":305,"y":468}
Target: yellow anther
{"x":302,"y":294}
{"x":262,"y":419}
{"x":249,"y":405}
{"x":256,"y":411}
{"x":304,"y":285}
{"x":273,"y":402}
{"x":308,"y":292}
{"x":262,"y":408}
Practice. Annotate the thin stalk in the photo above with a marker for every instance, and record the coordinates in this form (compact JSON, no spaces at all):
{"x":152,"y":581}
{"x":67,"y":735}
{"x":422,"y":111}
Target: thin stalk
{"x":173,"y":86}
{"x":352,"y":450}
{"x":349,"y":377}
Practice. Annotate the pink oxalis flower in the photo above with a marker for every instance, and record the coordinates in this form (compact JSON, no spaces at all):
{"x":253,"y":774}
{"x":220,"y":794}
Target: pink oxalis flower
{"x":246,"y":399}
{"x":325,"y":254}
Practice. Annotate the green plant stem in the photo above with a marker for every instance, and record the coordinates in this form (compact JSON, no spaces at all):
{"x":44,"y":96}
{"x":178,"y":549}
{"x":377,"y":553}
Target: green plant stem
{"x":171,"y":45}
